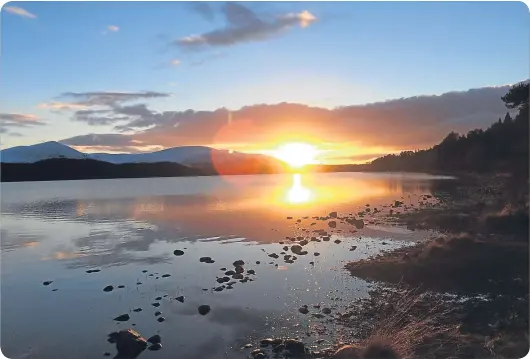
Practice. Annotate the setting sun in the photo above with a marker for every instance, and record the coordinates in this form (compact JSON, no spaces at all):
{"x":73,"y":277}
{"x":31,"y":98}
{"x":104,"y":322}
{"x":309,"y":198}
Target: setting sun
{"x":296,"y":154}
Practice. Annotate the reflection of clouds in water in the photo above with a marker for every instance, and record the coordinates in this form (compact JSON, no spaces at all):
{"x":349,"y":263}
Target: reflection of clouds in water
{"x":10,"y":241}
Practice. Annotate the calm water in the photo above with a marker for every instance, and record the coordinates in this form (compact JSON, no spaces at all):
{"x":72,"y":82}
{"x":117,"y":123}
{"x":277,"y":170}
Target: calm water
{"x":56,"y":231}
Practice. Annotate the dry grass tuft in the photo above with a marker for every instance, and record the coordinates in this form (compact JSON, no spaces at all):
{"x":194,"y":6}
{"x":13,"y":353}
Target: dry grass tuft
{"x":411,"y":324}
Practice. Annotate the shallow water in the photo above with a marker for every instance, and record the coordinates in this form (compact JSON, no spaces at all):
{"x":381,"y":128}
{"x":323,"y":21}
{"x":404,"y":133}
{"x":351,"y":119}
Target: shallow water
{"x":57,"y":230}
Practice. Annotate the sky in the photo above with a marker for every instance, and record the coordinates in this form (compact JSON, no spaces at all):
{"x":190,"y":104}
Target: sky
{"x":355,"y":79}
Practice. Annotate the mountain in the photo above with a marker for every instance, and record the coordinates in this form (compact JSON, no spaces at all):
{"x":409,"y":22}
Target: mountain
{"x":39,"y":152}
{"x":197,"y":156}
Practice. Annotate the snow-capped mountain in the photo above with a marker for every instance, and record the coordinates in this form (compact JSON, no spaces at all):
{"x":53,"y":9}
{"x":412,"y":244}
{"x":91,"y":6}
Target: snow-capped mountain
{"x":200,"y":156}
{"x":39,"y":152}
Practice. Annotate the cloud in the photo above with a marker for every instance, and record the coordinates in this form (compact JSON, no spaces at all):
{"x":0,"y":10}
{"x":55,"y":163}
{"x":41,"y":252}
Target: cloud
{"x":103,"y":98}
{"x":58,"y":106}
{"x":17,"y":120}
{"x":175,"y":62}
{"x":203,"y":8}
{"x":244,"y":25}
{"x":113,"y":28}
{"x":20,"y":12}
{"x":401,"y":124}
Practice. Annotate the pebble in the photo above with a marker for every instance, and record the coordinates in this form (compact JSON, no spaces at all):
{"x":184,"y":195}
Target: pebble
{"x":239,"y":263}
{"x":332,"y":224}
{"x":157,"y":313}
{"x":273,"y":255}
{"x":230,"y":272}
{"x":251,"y":271}
{"x":156,"y":305}
{"x":55,"y":290}
{"x":180,"y":298}
{"x":144,"y":271}
{"x":204,"y":309}
{"x":158,"y":298}
{"x":247,"y":346}
{"x":121,"y":286}
{"x":160,"y":319}
{"x":326,"y":310}
{"x":258,"y":262}
{"x":178,"y":252}
{"x":108,"y":288}
{"x":337,"y":241}
{"x":166,"y":275}
{"x":137,"y":310}
{"x":303,"y":310}
{"x":317,"y":254}
{"x":93,"y":270}
{"x":48,"y":282}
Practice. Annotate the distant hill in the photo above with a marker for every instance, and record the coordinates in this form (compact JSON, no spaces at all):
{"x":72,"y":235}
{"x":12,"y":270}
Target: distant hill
{"x":59,"y":169}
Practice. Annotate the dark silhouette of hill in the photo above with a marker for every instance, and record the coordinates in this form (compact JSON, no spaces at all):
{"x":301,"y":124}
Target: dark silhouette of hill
{"x":76,"y":169}
{"x":503,"y":147}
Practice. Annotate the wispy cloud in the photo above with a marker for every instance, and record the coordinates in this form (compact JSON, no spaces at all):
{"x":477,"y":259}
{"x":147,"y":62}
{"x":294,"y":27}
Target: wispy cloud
{"x":58,"y":106}
{"x":17,"y":120}
{"x":104,"y":98}
{"x":175,"y":62}
{"x":203,"y":8}
{"x":20,"y":12}
{"x":113,"y":28}
{"x":244,"y":25}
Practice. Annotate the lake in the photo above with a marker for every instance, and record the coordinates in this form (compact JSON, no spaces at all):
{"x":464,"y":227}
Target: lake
{"x":129,"y":229}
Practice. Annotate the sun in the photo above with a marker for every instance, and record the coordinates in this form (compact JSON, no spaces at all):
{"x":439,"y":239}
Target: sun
{"x":296,"y":154}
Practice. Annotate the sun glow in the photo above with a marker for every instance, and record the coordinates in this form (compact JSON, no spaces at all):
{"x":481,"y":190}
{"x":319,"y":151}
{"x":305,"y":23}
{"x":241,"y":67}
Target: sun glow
{"x":296,"y":154}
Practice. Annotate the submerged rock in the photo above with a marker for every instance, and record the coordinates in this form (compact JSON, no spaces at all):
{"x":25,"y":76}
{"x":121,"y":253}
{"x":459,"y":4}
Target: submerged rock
{"x":129,"y":343}
{"x":204,"y":309}
{"x":156,"y":346}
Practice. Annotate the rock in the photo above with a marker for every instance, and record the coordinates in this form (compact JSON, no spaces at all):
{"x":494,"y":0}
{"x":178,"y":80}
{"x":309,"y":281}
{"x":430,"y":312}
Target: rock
{"x":144,"y":271}
{"x":48,"y":282}
{"x":289,"y":217}
{"x":138,"y":283}
{"x":155,"y":339}
{"x":265,"y":342}
{"x":258,"y":262}
{"x":230,"y":272}
{"x":317,"y":254}
{"x":204,"y":309}
{"x":285,"y":248}
{"x":238,"y":263}
{"x":337,"y":241}
{"x":166,"y":275}
{"x":218,"y":289}
{"x":122,"y":318}
{"x":326,"y":310}
{"x":220,"y":280}
{"x":359,"y":224}
{"x":237,"y":276}
{"x":312,"y":263}
{"x":247,"y":346}
{"x":158,"y":298}
{"x":180,"y":298}
{"x":93,"y":270}
{"x":347,"y":352}
{"x":229,"y":287}
{"x":155,"y":304}
{"x":333,"y":214}
{"x":157,"y":313}
{"x":303,"y":243}
{"x":223,"y":269}
{"x":326,"y":238}
{"x":137,"y":310}
{"x":205,"y":259}
{"x":161,"y":319}
{"x":156,"y":346}
{"x":178,"y":252}
{"x":332,"y":224}
{"x":273,"y":255}
{"x":107,"y":354}
{"x":353,"y":248}
{"x":384,"y":243}
{"x":129,"y":343}
{"x":303,"y":310}
{"x":239,"y":269}
{"x":295,"y":347}
{"x":251,"y":271}
{"x":260,"y":356}
{"x":121,"y":286}
{"x":296,"y":249}
{"x":55,"y":290}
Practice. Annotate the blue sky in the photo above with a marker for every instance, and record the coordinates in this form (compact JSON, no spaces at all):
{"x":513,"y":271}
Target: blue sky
{"x":314,"y":53}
